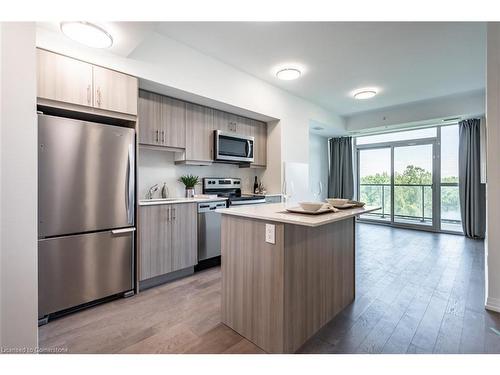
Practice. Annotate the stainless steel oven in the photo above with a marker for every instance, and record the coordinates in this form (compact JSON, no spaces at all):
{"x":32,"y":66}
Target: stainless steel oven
{"x":232,"y":147}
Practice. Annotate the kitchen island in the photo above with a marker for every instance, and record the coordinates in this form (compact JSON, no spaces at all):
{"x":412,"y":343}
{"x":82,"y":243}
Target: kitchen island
{"x":285,"y":275}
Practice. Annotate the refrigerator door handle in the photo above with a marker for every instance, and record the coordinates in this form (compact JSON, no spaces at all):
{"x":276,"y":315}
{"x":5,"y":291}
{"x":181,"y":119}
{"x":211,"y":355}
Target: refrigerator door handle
{"x":124,"y":230}
{"x":130,"y":185}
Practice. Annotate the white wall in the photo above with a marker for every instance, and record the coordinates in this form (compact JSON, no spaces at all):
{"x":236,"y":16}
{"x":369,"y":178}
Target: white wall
{"x":173,"y":64}
{"x":156,"y":167}
{"x":465,"y":104}
{"x":492,"y":263}
{"x":18,"y":187}
{"x":318,"y":165}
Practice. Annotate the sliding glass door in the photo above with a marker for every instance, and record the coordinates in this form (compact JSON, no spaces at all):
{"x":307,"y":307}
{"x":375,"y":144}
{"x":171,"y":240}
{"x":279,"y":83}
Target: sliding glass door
{"x":374,"y":165}
{"x":412,"y":176}
{"x":413,"y":184}
{"x":449,"y":198}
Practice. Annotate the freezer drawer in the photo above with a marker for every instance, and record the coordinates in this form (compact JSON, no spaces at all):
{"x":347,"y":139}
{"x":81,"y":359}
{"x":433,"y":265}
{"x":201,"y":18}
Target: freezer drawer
{"x":77,"y":269}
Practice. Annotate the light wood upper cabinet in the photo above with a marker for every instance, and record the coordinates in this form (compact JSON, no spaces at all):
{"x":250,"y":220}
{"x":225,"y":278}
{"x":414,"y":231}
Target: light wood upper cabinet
{"x":173,"y":118}
{"x":226,"y":122}
{"x":260,"y":143}
{"x":162,"y":120}
{"x":167,"y":238}
{"x":245,"y":126}
{"x":165,"y":121}
{"x":115,"y":91}
{"x":63,"y":79}
{"x":199,"y":133}
{"x":70,"y":81}
{"x":149,"y":113}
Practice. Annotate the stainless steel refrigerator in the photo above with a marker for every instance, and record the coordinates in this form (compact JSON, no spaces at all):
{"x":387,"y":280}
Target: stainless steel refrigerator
{"x":85,"y":211}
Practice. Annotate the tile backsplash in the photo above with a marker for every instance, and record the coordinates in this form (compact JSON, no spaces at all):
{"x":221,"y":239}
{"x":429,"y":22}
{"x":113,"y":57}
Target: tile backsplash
{"x":157,"y":167}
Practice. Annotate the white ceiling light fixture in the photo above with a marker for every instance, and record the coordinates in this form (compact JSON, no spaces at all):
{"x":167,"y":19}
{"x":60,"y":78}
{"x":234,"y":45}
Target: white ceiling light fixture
{"x":87,"y":33}
{"x":288,"y":74}
{"x":363,"y":94}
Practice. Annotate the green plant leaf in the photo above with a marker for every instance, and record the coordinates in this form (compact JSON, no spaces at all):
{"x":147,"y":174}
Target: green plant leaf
{"x":189,"y":181}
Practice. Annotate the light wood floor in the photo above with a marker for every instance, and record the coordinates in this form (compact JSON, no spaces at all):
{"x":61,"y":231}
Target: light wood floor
{"x":417,"y":292}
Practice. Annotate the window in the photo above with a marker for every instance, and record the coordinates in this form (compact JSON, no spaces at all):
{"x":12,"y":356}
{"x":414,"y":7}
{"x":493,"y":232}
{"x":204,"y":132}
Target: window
{"x":405,"y":175}
{"x":450,"y":204}
{"x":397,"y":136}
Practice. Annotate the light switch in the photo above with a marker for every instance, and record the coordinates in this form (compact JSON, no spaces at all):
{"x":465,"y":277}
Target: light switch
{"x":270,"y":233}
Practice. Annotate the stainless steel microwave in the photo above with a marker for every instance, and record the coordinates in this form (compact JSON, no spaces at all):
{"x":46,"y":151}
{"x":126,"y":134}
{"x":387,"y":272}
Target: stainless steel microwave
{"x":232,"y":147}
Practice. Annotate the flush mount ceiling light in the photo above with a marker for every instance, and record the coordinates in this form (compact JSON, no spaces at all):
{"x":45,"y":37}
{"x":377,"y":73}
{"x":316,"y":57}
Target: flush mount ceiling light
{"x":87,"y":33}
{"x":288,"y":74}
{"x":364,"y":94}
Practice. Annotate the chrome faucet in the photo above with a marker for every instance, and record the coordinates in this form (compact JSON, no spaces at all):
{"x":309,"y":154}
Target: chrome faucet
{"x":151,"y":191}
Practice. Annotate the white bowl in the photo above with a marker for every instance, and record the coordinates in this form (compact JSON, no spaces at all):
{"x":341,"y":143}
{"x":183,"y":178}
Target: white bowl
{"x":311,"y":206}
{"x":337,"y":201}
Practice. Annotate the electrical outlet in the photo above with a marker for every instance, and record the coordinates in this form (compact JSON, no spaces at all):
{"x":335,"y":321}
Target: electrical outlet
{"x":270,"y":233}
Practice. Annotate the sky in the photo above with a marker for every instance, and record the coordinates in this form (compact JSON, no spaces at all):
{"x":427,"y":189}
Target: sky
{"x":379,"y":160}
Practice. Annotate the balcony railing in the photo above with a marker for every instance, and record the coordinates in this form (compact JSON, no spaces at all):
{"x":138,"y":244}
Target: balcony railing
{"x":413,"y":202}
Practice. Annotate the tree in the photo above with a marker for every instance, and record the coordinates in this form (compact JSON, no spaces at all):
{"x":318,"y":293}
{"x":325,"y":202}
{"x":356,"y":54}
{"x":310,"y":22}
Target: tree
{"x":412,"y":189}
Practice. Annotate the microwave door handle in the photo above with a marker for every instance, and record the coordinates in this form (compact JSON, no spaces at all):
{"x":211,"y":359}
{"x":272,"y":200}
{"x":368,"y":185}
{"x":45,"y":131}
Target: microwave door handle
{"x":250,"y":152}
{"x":249,"y":148}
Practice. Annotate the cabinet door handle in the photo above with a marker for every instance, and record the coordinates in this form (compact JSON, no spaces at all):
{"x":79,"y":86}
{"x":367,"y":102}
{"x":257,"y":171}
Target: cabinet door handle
{"x":98,"y":96}
{"x":169,"y":214}
{"x":173,"y":216}
{"x":163,"y":136}
{"x":89,"y":99}
{"x":157,"y":135}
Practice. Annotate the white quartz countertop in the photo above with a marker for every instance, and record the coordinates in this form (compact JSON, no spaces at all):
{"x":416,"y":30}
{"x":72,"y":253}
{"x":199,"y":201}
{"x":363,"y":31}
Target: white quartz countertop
{"x":152,"y":202}
{"x":277,"y":212}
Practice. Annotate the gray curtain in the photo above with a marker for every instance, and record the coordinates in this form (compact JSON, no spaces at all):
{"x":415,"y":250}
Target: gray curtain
{"x":472,"y":192}
{"x":340,"y":176}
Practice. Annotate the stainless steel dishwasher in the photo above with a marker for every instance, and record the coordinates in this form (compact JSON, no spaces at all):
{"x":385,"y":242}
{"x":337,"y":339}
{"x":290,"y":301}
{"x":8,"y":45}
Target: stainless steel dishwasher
{"x":209,"y":222}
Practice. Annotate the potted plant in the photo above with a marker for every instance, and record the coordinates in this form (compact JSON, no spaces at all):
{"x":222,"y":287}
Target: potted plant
{"x":189,"y":182}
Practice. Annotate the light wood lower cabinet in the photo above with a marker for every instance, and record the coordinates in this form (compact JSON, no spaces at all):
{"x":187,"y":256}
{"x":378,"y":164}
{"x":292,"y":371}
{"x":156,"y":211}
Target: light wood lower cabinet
{"x":278,"y":295}
{"x":167,"y":238}
{"x":183,"y":235}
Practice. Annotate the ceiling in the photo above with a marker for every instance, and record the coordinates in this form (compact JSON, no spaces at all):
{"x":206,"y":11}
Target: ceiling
{"x":406,"y":62}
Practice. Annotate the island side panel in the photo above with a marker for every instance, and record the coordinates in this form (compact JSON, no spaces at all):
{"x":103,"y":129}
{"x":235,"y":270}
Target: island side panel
{"x":319,"y":278}
{"x":252,"y":281}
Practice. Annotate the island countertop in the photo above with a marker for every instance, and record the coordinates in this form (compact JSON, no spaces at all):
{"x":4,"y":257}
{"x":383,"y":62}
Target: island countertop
{"x":277,"y":212}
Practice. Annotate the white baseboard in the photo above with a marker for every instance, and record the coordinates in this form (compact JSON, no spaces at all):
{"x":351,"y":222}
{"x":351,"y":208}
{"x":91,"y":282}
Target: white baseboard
{"x":493,"y":304}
